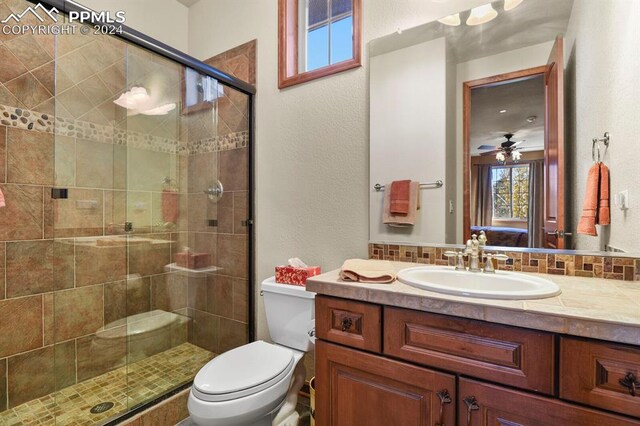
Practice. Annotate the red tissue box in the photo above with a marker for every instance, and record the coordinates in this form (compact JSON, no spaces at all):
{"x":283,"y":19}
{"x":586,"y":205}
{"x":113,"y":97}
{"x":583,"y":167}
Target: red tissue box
{"x":193,"y":260}
{"x":295,"y":276}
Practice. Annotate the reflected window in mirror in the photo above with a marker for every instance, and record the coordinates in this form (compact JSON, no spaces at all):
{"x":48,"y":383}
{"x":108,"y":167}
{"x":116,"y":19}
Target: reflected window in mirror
{"x":510,"y":192}
{"x":317,"y":38}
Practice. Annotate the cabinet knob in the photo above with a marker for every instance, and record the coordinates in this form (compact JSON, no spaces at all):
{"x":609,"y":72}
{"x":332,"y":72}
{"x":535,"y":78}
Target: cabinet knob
{"x":472,"y":405}
{"x":346,"y":323}
{"x":631,"y":382}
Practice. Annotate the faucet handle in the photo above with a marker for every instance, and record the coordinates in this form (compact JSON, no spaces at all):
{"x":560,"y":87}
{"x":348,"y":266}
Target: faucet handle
{"x":451,"y":253}
{"x":488,"y":263}
{"x":500,"y":256}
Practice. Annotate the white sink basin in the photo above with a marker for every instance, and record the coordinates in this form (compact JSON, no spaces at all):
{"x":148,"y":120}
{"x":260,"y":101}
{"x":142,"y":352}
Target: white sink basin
{"x":501,"y":285}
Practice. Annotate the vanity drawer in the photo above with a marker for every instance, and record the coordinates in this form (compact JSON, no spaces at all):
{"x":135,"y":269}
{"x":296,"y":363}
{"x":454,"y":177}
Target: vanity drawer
{"x":350,"y":323}
{"x":600,"y":374}
{"x":499,"y":353}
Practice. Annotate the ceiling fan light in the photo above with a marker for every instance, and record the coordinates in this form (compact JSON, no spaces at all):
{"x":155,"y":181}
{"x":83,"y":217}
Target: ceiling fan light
{"x":481,"y":15}
{"x":451,"y":20}
{"x":511,"y":4}
{"x":501,"y":157}
{"x":516,"y":155}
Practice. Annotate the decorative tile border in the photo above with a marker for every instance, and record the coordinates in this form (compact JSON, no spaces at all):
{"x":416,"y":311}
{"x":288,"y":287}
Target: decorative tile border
{"x":220,"y":143}
{"x":32,"y":120}
{"x":591,"y":266}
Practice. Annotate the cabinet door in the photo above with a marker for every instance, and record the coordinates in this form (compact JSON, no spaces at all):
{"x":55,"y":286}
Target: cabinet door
{"x":481,"y":404}
{"x":354,"y":388}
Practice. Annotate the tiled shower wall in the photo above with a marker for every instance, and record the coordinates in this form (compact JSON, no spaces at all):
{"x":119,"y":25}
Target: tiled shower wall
{"x":64,"y":272}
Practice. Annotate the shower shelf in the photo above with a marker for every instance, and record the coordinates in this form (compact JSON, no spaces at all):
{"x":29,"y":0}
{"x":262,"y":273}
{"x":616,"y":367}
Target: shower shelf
{"x":172,"y":267}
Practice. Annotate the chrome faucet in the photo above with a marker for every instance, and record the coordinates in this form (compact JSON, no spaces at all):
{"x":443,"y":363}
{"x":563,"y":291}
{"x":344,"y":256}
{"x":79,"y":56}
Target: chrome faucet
{"x":474,"y":253}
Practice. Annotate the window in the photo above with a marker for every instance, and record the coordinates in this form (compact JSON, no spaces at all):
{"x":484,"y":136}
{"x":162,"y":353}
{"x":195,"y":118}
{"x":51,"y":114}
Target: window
{"x":317,"y":38}
{"x":510,"y":185}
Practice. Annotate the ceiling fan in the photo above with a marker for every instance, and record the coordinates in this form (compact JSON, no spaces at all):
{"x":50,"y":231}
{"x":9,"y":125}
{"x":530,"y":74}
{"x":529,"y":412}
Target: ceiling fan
{"x":507,"y":149}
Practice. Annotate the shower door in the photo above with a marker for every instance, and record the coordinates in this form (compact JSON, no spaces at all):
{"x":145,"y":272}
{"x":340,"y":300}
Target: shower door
{"x":124,"y":244}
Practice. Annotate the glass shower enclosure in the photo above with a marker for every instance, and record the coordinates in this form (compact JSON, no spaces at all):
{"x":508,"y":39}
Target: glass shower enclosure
{"x":125,"y":242}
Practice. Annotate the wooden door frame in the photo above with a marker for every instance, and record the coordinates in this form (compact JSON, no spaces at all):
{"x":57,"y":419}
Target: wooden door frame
{"x":467,"y":86}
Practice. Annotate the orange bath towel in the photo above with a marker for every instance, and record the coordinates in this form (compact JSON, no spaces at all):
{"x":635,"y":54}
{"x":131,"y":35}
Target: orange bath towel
{"x":402,"y":220}
{"x":604,"y":214}
{"x":595,"y":209}
{"x":400,"y":197}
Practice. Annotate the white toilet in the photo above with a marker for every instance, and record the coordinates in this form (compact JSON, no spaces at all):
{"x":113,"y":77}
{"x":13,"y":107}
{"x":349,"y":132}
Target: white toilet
{"x":257,"y":384}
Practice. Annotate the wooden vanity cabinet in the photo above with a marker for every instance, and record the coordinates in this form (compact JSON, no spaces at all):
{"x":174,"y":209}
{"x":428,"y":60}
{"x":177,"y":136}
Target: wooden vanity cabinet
{"x":380,"y":365}
{"x":355,"y":388}
{"x":481,"y":404}
{"x":604,"y":375}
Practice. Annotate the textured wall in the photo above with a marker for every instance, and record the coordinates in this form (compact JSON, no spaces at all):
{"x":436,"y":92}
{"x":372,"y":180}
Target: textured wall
{"x":602,"y":79}
{"x":312,"y":140}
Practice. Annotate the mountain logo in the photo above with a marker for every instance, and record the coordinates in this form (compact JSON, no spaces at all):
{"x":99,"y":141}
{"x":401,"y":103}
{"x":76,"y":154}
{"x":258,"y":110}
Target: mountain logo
{"x":34,"y":11}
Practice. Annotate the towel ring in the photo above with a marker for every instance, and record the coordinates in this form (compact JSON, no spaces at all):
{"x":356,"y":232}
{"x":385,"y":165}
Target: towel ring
{"x":595,"y":147}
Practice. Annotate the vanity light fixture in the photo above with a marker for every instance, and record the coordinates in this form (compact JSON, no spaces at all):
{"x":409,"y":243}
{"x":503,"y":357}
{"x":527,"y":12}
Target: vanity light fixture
{"x":481,"y":15}
{"x":451,"y":20}
{"x":511,"y":4}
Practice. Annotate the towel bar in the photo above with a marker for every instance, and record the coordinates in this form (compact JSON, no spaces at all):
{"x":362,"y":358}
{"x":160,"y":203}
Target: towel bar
{"x":436,"y":184}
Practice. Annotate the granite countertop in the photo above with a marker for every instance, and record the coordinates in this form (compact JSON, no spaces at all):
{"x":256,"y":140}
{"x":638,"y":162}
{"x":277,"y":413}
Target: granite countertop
{"x":588,"y":307}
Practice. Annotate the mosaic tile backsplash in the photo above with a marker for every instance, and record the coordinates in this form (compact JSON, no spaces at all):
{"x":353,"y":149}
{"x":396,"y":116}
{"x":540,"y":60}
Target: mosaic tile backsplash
{"x":609,"y":267}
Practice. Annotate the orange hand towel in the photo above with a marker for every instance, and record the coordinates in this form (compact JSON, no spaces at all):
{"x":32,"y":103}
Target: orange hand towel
{"x":595,"y":209}
{"x":402,"y":220}
{"x":400,"y":197}
{"x":604,"y":213}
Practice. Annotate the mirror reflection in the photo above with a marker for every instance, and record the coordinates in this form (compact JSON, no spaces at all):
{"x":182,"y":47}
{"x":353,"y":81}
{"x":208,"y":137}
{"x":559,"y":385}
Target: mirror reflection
{"x":532,"y":136}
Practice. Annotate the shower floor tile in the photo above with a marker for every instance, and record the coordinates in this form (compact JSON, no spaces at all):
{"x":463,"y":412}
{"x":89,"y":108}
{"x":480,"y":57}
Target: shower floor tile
{"x":125,"y":387}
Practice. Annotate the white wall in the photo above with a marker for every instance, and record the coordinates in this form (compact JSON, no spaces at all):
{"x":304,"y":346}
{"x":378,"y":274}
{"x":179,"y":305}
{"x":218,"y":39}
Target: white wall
{"x":164,"y":20}
{"x":311,"y":140}
{"x":408,"y":134}
{"x":514,"y":60}
{"x":602,"y":74}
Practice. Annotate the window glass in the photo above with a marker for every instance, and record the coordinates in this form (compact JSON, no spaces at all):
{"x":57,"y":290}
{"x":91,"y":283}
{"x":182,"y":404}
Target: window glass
{"x":339,"y":7}
{"x":317,"y":12}
{"x":318,"y":48}
{"x":342,"y":40}
{"x":510,"y":187}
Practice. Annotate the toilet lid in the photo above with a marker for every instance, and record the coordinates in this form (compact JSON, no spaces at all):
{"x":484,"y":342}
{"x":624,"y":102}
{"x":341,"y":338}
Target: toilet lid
{"x":243,"y":371}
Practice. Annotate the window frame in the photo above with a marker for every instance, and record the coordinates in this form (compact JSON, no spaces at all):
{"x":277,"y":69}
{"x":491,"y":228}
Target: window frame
{"x":511,"y":167}
{"x":289,"y":46}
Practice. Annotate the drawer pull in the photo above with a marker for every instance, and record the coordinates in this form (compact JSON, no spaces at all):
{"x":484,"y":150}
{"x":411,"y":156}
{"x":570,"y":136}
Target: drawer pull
{"x":346,"y":323}
{"x":631,"y":382}
{"x":445,"y":398}
{"x":472,"y":405}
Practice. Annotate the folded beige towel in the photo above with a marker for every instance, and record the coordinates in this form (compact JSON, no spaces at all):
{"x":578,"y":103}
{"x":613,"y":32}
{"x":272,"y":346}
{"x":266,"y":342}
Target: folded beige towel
{"x":368,"y":271}
{"x":414,"y":205}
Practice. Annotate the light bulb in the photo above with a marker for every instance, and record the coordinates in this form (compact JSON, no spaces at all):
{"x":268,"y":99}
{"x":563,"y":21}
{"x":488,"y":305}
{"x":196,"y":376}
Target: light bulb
{"x":511,"y":4}
{"x":481,"y":15}
{"x":452,"y":20}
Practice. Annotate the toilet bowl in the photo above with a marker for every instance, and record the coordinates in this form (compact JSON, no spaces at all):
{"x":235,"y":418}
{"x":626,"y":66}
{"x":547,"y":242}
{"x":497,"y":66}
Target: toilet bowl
{"x":258,"y":383}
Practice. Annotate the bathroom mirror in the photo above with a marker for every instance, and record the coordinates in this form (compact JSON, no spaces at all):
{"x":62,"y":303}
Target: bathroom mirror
{"x":501,"y":104}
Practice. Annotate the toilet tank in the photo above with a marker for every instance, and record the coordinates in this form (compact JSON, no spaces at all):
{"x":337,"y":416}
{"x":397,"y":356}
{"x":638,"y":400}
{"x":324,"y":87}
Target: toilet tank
{"x":290,"y":313}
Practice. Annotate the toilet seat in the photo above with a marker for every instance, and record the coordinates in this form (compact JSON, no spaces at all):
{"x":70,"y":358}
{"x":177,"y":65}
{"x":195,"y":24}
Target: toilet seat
{"x":243,"y":371}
